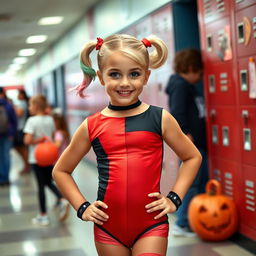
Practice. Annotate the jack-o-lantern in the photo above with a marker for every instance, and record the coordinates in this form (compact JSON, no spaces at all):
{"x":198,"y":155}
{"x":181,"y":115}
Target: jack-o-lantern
{"x":211,"y":215}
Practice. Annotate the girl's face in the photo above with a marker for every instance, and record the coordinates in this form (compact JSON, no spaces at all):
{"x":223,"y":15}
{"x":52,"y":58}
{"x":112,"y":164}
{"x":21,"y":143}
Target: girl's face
{"x":32,"y":108}
{"x":123,"y":79}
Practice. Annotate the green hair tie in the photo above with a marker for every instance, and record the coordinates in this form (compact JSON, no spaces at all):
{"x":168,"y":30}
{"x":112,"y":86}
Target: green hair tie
{"x":87,"y":70}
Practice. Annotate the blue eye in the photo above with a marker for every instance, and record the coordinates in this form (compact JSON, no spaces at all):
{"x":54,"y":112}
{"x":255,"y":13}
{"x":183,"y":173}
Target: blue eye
{"x":135,"y":74}
{"x":114,"y":75}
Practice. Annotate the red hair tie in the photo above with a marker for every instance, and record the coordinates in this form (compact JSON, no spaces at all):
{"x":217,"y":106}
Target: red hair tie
{"x":146,"y":42}
{"x":100,"y":42}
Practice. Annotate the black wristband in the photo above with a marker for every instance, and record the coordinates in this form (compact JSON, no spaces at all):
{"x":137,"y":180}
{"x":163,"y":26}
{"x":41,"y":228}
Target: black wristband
{"x":82,"y":209}
{"x":175,"y":199}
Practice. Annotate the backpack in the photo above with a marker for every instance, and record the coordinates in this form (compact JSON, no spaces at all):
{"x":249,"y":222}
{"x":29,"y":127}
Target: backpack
{"x":3,"y":119}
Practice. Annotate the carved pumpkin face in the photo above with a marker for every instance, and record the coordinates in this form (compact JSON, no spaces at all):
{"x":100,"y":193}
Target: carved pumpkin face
{"x":212,"y":217}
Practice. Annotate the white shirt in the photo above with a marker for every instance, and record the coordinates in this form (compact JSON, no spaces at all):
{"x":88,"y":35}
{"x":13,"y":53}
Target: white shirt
{"x":38,"y":126}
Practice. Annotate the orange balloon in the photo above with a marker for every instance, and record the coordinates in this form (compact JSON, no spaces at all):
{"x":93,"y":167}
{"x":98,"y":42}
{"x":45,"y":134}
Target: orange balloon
{"x":46,"y":153}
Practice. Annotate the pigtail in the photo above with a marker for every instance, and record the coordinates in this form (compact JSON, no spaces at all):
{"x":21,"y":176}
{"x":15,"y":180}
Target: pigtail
{"x":86,"y":66}
{"x":158,"y":57}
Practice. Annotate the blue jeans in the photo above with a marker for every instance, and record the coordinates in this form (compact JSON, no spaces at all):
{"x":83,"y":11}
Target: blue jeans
{"x":5,"y":158}
{"x":197,"y":187}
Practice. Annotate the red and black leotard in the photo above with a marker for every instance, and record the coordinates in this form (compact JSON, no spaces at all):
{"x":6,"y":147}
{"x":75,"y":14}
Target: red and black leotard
{"x":129,"y":154}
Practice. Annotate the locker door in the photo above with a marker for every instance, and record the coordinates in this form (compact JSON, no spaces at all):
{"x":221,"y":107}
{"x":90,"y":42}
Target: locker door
{"x":245,"y":26}
{"x":218,"y":40}
{"x":215,"y":169}
{"x":219,"y":83}
{"x":248,"y":135}
{"x":213,"y":10}
{"x":230,"y":186}
{"x":240,"y":4}
{"x":248,"y":205}
{"x":223,"y":132}
{"x":244,"y":84}
{"x":225,"y":172}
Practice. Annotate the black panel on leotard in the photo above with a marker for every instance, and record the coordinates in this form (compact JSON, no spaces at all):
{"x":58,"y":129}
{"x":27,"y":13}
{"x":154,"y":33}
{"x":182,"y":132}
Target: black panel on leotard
{"x":103,"y":168}
{"x":150,"y":121}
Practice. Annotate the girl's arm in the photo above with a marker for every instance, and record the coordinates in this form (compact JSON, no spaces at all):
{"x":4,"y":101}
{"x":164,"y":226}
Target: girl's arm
{"x":185,"y":150}
{"x":191,"y":158}
{"x":30,"y":140}
{"x":72,"y":155}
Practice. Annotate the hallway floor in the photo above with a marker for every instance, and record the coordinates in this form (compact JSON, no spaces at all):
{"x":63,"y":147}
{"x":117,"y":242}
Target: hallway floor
{"x":18,"y":236}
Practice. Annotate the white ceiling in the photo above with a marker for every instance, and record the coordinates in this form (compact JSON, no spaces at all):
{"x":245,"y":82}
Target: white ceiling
{"x":18,"y":20}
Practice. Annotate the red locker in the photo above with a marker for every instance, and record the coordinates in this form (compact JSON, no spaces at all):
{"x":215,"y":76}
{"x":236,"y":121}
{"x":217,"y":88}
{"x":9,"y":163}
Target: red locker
{"x":240,"y":4}
{"x":230,"y":185}
{"x":248,"y":134}
{"x":215,"y":170}
{"x":223,"y":132}
{"x":225,"y":172}
{"x":218,"y":41}
{"x":213,"y":10}
{"x":219,"y":83}
{"x":248,"y":205}
{"x":244,"y":85}
{"x":245,"y":27}
{"x":228,"y":41}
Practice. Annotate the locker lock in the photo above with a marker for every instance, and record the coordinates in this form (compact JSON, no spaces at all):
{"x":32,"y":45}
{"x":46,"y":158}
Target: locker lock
{"x":245,"y":115}
{"x":213,"y":114}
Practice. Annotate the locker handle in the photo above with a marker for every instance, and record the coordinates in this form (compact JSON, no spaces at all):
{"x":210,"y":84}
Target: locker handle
{"x":245,"y":116}
{"x":240,"y":29}
{"x":247,"y":139}
{"x":225,"y":134}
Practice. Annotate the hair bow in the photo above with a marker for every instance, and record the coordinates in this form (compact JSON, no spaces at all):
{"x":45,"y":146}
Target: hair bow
{"x":146,"y":42}
{"x":100,"y":41}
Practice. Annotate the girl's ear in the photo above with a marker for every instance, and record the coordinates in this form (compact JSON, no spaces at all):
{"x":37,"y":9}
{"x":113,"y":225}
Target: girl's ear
{"x":99,"y":74}
{"x":147,"y":75}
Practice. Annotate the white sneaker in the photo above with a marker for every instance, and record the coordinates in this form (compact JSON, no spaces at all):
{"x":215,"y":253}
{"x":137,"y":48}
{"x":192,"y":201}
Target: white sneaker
{"x":41,"y":220}
{"x":185,"y":231}
{"x":63,"y":209}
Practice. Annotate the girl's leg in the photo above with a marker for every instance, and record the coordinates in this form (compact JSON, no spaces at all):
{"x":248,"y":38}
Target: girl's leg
{"x":156,"y":245}
{"x":39,"y":173}
{"x":110,"y":250}
{"x":49,"y":181}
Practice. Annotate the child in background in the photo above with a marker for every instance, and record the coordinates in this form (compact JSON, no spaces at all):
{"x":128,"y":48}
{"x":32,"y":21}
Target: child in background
{"x":21,"y":109}
{"x":61,"y":135}
{"x":127,"y":137}
{"x":187,"y":107}
{"x":38,"y":127}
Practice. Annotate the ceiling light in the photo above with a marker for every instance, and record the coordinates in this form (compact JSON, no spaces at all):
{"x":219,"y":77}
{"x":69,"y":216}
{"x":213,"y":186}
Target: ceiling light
{"x":27,"y":52}
{"x":36,"y":39}
{"x":15,"y":66}
{"x":20,"y":60}
{"x":50,"y":20}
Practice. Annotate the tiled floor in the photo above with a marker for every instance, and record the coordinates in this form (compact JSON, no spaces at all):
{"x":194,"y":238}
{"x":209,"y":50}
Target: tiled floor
{"x":18,"y":204}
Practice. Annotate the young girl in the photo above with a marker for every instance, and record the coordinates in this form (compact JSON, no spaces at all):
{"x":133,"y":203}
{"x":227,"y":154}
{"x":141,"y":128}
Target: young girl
{"x":61,"y":135}
{"x":37,"y":128}
{"x":127,"y":137}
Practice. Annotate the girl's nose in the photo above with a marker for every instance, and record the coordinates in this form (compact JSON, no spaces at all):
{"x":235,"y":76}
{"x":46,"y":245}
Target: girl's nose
{"x":124,"y":81}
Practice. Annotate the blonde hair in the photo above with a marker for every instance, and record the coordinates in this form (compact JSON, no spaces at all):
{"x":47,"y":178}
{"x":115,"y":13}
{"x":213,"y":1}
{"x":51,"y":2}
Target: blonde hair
{"x":40,"y":101}
{"x":127,"y":45}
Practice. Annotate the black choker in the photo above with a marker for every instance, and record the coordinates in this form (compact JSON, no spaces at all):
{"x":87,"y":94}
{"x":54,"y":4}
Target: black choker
{"x":120,"y":108}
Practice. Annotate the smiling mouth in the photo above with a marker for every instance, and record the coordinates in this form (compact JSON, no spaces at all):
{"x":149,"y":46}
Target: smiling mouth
{"x":124,"y":92}
{"x":216,"y":229}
